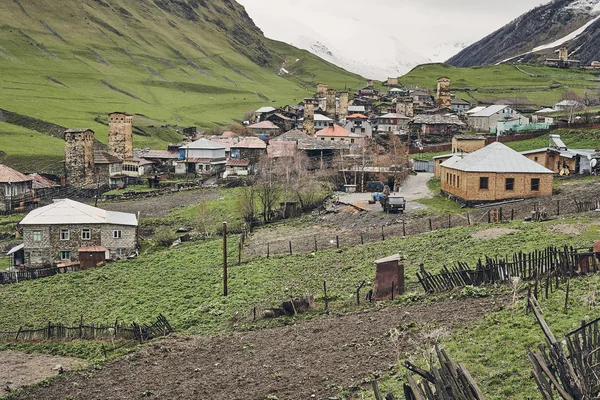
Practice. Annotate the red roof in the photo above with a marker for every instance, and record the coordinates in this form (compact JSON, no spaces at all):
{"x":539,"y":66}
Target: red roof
{"x":204,"y":160}
{"x":238,"y":163}
{"x":92,"y":249}
{"x":334,"y":130}
{"x":8,"y":174}
{"x":354,"y":116}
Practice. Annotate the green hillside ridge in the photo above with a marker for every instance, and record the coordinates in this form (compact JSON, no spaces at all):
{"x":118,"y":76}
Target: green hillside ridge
{"x":187,"y":63}
{"x":522,"y":83}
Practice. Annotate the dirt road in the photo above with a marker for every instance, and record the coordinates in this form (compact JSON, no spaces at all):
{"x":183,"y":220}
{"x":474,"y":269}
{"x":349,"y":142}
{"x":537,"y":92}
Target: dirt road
{"x":318,"y":357}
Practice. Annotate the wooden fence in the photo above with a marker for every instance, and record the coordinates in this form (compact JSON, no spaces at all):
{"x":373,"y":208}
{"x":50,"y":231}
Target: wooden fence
{"x":30,"y":274}
{"x":536,"y":265}
{"x":118,"y":330}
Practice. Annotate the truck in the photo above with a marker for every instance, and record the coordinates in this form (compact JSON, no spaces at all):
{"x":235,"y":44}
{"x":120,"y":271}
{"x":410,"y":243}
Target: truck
{"x":392,"y":203}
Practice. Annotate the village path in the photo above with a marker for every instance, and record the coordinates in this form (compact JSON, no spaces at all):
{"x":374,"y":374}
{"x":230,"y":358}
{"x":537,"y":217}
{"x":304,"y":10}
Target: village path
{"x":317,"y":358}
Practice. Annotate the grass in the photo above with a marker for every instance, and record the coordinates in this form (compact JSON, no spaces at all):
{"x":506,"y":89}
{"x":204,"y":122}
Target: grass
{"x":439,"y":204}
{"x":207,"y":69}
{"x":505,"y":82}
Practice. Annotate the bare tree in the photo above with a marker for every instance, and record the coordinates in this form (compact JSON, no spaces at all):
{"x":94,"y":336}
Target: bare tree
{"x":573,"y":103}
{"x":268,"y":188}
{"x":205,"y":221}
{"x":246,"y":205}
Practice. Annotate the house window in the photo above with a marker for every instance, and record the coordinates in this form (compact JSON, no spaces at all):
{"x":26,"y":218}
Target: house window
{"x":351,"y":140}
{"x":86,"y":234}
{"x":37,"y":236}
{"x":65,"y":234}
{"x":458,"y":181}
{"x":535,"y":184}
{"x":65,"y":255}
{"x":535,"y":159}
{"x":117,"y":234}
{"x":510,"y":184}
{"x":483,"y":183}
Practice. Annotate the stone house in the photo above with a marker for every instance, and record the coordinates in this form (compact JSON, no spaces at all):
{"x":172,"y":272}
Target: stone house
{"x":335,"y":132}
{"x":236,"y":168}
{"x":16,"y":189}
{"x":283,"y":122}
{"x":265,"y":129}
{"x":392,"y":122}
{"x":137,"y":167}
{"x":494,"y":173}
{"x":321,"y":121}
{"x":360,"y":124}
{"x":251,"y":149}
{"x":55,"y":233}
{"x":436,"y":124}
{"x":108,"y":169}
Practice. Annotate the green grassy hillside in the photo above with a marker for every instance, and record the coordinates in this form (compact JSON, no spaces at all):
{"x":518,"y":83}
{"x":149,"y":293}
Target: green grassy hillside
{"x":539,"y":85}
{"x":182,"y":63}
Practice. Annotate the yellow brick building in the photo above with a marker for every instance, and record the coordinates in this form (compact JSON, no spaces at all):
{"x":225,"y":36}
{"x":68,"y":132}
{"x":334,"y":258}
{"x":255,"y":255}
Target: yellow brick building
{"x":494,"y":173}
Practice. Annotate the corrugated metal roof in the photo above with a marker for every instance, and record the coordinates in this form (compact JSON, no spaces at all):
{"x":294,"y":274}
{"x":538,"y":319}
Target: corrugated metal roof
{"x":264,"y":110}
{"x":66,"y":211}
{"x":229,"y":135}
{"x":264,"y":125}
{"x":393,"y":115}
{"x":489,"y":111}
{"x":321,"y":117}
{"x":475,"y":110}
{"x":9,"y":175}
{"x":497,"y":158}
{"x":204,"y":144}
{"x":161,"y":154}
{"x":357,"y":109}
{"x":250,"y":143}
{"x":238,"y":163}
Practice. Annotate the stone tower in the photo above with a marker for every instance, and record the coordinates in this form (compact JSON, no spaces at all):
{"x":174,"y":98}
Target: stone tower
{"x":444,"y":99}
{"x":309,"y":116}
{"x":343,"y":112}
{"x":330,"y":105}
{"x":322,"y":89}
{"x":120,"y":135}
{"x":405,"y":106}
{"x":563,"y":53}
{"x":79,"y":157}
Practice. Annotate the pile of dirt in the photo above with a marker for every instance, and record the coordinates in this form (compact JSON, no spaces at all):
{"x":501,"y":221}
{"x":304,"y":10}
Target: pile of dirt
{"x":20,"y":369}
{"x":566,"y":229}
{"x":493,"y":233}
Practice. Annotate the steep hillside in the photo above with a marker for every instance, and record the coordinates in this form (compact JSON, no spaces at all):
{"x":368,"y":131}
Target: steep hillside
{"x":180,"y":62}
{"x":536,"y":34}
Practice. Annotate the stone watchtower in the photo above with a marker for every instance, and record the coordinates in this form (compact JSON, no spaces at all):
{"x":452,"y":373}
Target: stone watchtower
{"x":343,"y":112}
{"x":322,"y":89}
{"x":120,"y":135}
{"x":405,"y":106}
{"x":309,"y":116}
{"x":444,"y":99}
{"x":79,"y":157}
{"x":330,"y":105}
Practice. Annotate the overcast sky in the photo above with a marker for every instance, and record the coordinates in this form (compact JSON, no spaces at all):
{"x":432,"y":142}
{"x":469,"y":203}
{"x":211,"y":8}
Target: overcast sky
{"x":421,"y":25}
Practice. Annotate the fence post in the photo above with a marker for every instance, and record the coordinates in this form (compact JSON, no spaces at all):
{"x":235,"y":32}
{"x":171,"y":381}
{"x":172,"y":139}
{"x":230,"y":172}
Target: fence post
{"x":325,"y":292}
{"x":224,"y":258}
{"x":430,"y":225}
{"x":240,"y":252}
{"x":290,"y":242}
{"x":337,"y":242}
{"x":362,"y":241}
{"x":557,"y":207}
{"x":316,"y":249}
{"x":404,"y":227}
{"x":449,"y":221}
{"x":468,"y":219}
{"x":268,"y":250}
{"x":382,"y":234}
{"x":512,"y":214}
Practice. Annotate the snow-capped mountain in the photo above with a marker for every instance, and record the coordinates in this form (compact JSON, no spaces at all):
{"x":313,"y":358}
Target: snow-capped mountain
{"x":538,"y":33}
{"x":383,"y":38}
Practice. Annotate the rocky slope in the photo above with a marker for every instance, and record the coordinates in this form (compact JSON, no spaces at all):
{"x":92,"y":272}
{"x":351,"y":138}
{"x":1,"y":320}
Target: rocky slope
{"x":538,"y":33}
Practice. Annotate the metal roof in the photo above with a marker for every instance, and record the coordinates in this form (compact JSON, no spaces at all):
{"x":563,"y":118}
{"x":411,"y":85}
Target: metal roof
{"x":475,"y":110}
{"x":334,"y":130}
{"x":250,"y":143}
{"x":264,"y":125}
{"x":489,"y":111}
{"x":102,"y":157}
{"x":321,"y":117}
{"x":264,"y":110}
{"x":9,"y":175}
{"x":393,"y":115}
{"x":496,"y":158}
{"x":204,"y":144}
{"x":437,"y":119}
{"x":66,"y":211}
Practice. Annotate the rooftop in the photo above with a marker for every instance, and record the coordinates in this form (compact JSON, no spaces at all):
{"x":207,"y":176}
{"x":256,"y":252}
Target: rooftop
{"x":489,"y":111}
{"x":393,"y":115}
{"x":66,"y":211}
{"x":204,"y":144}
{"x":334,"y":130}
{"x":250,"y":142}
{"x":102,"y":157}
{"x":264,"y":110}
{"x":264,"y":125}
{"x":495,"y":158}
{"x":9,"y":175}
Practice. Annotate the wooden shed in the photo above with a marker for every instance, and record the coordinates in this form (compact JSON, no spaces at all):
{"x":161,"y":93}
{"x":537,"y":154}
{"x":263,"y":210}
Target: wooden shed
{"x":90,"y":257}
{"x":389,"y":278}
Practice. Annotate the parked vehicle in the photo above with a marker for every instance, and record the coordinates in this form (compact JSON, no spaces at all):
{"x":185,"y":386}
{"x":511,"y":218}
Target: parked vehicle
{"x":392,"y":203}
{"x":374,"y":186}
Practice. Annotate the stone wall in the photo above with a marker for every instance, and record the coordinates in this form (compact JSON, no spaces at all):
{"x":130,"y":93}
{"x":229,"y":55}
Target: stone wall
{"x":79,"y":157}
{"x":467,"y":145}
{"x":120,"y":135}
{"x":47,"y":250}
{"x":444,"y":98}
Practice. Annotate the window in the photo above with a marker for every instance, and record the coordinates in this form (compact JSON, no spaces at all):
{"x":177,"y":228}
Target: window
{"x":458,"y":181}
{"x":65,"y":234}
{"x":37,"y":236}
{"x":351,"y":140}
{"x":86,"y":234}
{"x":535,"y":159}
{"x":116,"y":234}
{"x":535,"y":184}
{"x":483,"y":183}
{"x":510,"y":184}
{"x":65,"y":255}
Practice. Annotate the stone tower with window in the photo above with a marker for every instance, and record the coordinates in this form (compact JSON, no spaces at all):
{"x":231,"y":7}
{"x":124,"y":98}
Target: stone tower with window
{"x":120,"y":135}
{"x":309,"y":116}
{"x":79,"y":157}
{"x":322,"y":89}
{"x":330,"y":105}
{"x":343,"y":111}
{"x":444,"y":99}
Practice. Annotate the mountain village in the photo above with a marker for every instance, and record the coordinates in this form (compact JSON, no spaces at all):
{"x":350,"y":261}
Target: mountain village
{"x":359,"y":239}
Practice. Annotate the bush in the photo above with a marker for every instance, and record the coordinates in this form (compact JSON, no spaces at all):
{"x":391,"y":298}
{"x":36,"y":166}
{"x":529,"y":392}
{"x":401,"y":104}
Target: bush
{"x":164,"y":236}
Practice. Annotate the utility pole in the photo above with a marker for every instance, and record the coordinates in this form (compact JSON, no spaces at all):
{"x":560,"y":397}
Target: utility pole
{"x":224,"y":258}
